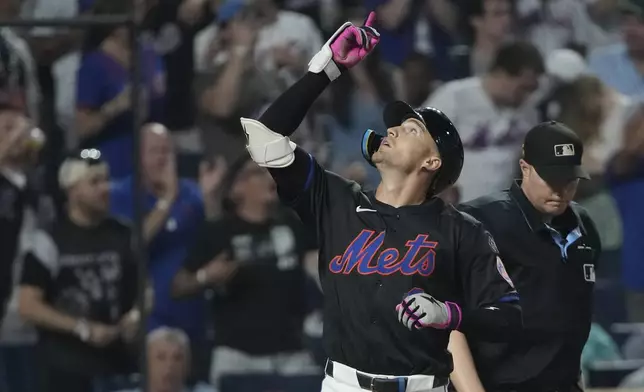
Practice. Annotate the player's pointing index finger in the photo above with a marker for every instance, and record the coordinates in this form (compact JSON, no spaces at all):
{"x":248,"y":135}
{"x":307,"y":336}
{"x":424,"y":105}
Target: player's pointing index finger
{"x":370,"y":19}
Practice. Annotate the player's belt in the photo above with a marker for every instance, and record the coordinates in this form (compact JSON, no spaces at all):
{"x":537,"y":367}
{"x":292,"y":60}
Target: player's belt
{"x":382,"y":384}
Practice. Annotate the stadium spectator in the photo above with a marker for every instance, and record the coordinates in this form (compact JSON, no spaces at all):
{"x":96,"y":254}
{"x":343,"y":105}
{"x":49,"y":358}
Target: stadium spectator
{"x":174,"y":25}
{"x":15,"y":149}
{"x":168,"y":356}
{"x":104,"y":118}
{"x":253,"y":258}
{"x":591,"y":108}
{"x":79,"y":284}
{"x":620,"y":65}
{"x":554,"y":24}
{"x":490,"y":24}
{"x":19,"y":203}
{"x":605,"y":15}
{"x":418,"y":78}
{"x":175,"y":208}
{"x":286,"y":41}
{"x":626,"y":177}
{"x":243,"y":62}
{"x":48,"y":43}
{"x":56,"y":51}
{"x":398,"y":21}
{"x":227,"y":84}
{"x":18,"y":78}
{"x":492,"y":114}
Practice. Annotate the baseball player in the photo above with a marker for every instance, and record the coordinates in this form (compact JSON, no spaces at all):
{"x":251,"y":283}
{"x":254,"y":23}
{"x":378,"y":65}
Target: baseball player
{"x":398,"y":267}
{"x":551,"y":247}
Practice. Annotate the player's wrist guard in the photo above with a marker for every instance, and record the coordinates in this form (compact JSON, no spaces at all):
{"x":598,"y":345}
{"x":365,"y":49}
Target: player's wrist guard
{"x":323,"y":60}
{"x":454,"y":315}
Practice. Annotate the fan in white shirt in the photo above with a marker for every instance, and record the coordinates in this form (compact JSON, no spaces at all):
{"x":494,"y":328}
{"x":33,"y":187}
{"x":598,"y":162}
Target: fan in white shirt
{"x":492,"y":115}
{"x":285,"y":42}
{"x":554,"y":24}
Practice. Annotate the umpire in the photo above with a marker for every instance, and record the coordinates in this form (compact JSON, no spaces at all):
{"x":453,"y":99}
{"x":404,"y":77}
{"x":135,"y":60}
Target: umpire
{"x":550,"y":248}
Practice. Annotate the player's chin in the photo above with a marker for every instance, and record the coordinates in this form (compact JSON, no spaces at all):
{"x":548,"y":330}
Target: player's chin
{"x":378,"y":157}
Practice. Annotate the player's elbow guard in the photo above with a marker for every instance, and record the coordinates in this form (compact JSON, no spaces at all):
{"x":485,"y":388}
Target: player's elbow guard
{"x":266,"y":147}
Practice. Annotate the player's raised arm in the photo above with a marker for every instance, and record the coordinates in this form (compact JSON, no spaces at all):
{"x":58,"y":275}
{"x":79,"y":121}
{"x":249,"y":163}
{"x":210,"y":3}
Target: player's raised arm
{"x":293,"y":169}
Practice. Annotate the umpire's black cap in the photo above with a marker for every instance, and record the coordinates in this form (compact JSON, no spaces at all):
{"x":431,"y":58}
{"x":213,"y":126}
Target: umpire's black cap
{"x":441,"y":129}
{"x":555,"y":151}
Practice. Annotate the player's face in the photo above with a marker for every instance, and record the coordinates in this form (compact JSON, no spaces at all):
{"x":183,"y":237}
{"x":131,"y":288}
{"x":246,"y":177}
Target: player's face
{"x":167,"y":365}
{"x":632,"y":28}
{"x":548,"y":198}
{"x":408,"y":147}
{"x":92,"y":193}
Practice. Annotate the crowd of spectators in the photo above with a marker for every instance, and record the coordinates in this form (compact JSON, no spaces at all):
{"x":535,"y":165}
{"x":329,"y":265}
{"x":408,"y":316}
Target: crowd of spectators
{"x":231,"y":276}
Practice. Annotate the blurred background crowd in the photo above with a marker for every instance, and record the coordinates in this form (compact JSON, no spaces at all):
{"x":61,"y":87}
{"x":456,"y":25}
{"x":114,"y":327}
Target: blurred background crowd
{"x":233,"y":298}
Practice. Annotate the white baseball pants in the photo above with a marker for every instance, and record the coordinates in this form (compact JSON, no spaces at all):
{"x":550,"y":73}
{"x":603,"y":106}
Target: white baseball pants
{"x":344,"y":380}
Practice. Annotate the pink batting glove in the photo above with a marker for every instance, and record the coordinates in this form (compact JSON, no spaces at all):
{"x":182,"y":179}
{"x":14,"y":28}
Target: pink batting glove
{"x":354,"y":43}
{"x":348,"y":46}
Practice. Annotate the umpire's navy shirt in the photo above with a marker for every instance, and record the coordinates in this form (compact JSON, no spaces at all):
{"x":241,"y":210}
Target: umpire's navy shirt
{"x":553,"y":269}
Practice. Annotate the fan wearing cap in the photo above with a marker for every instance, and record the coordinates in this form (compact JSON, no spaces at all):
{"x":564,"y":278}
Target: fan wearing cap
{"x":399,"y":268}
{"x":550,"y":247}
{"x":79,"y":283}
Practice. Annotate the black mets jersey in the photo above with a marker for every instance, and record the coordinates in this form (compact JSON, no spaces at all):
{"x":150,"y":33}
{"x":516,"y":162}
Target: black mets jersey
{"x":372,"y":254}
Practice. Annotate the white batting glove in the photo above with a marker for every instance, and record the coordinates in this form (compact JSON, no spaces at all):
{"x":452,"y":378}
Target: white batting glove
{"x":420,"y":310}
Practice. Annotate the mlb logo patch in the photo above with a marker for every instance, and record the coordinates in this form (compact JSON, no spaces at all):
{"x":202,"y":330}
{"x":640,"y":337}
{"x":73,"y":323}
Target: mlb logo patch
{"x":589,"y":273}
{"x":564,"y":150}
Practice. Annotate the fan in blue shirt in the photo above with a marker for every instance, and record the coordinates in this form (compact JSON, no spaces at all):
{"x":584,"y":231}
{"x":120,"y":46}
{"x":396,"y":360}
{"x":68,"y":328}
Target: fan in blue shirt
{"x":174,"y":211}
{"x":104,"y":117}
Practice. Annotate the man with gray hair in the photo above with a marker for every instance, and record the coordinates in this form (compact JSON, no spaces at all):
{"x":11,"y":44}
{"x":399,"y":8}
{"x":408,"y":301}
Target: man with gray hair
{"x":79,"y":284}
{"x":168,"y":355}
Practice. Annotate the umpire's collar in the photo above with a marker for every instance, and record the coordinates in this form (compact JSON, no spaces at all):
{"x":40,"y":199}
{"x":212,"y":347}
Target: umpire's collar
{"x":567,"y":221}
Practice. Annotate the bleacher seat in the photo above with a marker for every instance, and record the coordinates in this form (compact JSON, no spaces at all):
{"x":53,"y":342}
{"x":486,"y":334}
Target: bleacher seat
{"x":270,"y":383}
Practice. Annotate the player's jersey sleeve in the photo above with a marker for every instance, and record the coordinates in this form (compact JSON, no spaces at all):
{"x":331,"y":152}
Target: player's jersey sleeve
{"x":312,"y":198}
{"x":484,"y":279}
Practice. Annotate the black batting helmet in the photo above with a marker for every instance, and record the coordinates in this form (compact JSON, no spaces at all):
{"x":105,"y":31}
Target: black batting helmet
{"x":440,"y":128}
